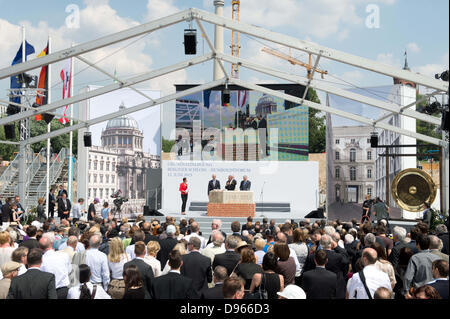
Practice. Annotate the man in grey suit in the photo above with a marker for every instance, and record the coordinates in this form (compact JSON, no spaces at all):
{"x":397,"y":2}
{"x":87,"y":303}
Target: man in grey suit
{"x":245,"y":184}
{"x":34,"y":284}
{"x":213,"y":184}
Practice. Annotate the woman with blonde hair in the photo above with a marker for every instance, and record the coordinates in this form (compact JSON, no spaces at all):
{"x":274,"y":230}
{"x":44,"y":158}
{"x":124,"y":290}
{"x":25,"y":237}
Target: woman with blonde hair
{"x":116,"y":260}
{"x":182,"y":248}
{"x":153,"y":248}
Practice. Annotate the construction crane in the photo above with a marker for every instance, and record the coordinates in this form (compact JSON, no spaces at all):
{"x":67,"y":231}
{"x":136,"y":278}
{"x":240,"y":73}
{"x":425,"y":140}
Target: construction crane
{"x":235,"y":39}
{"x":294,"y":61}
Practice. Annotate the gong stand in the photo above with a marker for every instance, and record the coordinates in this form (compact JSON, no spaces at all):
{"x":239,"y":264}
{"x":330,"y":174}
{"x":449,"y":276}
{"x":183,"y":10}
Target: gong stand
{"x":438,"y":153}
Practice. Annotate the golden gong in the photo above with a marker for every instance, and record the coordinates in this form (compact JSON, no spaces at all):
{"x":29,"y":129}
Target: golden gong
{"x":412,"y":188}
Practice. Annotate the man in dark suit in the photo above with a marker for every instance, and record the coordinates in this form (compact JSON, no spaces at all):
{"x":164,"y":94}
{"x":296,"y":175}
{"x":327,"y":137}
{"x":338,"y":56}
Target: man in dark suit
{"x":167,"y":245}
{"x":336,"y":263}
{"x":231,"y":183}
{"x":213,"y":184}
{"x":34,"y":284}
{"x":51,"y":203}
{"x":245,"y":184}
{"x":399,"y":242}
{"x":230,"y":258}
{"x":147,"y":228}
{"x":440,"y":274}
{"x":173,"y":285}
{"x":61,"y":191}
{"x":144,"y":269}
{"x":196,"y":266}
{"x":216,"y":292}
{"x":64,"y":207}
{"x":31,"y":242}
{"x":320,"y":283}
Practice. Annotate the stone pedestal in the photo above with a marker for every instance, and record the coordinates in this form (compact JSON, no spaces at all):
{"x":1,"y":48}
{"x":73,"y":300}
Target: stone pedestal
{"x":231,"y":203}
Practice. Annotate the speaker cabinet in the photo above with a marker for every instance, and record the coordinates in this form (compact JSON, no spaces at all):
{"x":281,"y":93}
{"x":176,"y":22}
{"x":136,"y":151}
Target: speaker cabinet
{"x":10,"y":131}
{"x":374,"y":141}
{"x":190,"y":41}
{"x":87,"y":139}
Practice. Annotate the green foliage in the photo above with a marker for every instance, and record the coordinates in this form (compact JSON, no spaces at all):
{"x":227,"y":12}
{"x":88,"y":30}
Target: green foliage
{"x":30,"y":217}
{"x":437,"y":218}
{"x":167,"y":145}
{"x":317,"y":126}
{"x":426,"y":129}
{"x":7,"y":150}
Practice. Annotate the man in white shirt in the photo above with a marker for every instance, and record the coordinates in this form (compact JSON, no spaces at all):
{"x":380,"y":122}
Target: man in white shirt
{"x":216,"y":246}
{"x":56,"y":263}
{"x":195,"y":230}
{"x":138,"y":235}
{"x":77,"y":210}
{"x":97,"y":261}
{"x":374,"y":278}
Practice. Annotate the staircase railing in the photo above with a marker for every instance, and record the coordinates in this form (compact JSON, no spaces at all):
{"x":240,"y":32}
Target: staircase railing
{"x":35,"y":166}
{"x":10,"y":172}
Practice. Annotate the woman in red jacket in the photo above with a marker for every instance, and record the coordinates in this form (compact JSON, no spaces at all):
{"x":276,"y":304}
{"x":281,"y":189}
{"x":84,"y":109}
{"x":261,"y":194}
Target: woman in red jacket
{"x":184,"y":195}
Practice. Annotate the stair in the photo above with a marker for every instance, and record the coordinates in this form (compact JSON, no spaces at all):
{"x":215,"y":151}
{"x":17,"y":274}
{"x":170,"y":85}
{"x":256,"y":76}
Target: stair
{"x":260,"y":207}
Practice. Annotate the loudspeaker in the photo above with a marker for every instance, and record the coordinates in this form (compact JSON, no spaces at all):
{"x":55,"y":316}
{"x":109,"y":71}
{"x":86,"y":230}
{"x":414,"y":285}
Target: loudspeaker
{"x":87,"y":139}
{"x":190,"y":41}
{"x":226,"y":97}
{"x":316,"y":214}
{"x":374,"y":141}
{"x":10,"y":131}
{"x":151,"y":212}
{"x":444,"y":125}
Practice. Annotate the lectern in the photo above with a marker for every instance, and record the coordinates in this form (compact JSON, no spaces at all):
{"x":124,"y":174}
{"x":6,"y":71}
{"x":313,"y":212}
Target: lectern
{"x":231,"y":203}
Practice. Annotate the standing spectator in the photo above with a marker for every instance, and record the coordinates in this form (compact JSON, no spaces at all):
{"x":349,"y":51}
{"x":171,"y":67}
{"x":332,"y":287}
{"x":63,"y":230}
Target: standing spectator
{"x":382,"y":293}
{"x":61,"y":191}
{"x":384,"y":265}
{"x":426,"y":292}
{"x":91,"y":209}
{"x":381,"y":211}
{"x":73,"y":231}
{"x":10,"y":269}
{"x":217,"y":247}
{"x":216,"y":292}
{"x":435,"y":247}
{"x":85,"y":289}
{"x":51,"y":203}
{"x":403,"y":261}
{"x":216,"y":224}
{"x":167,"y":245}
{"x":286,"y":263}
{"x":230,"y":258}
{"x":182,"y":248}
{"x":147,"y":228}
{"x":106,"y":213}
{"x":35,"y":283}
{"x":236,"y":229}
{"x":195,"y":232}
{"x":363,"y":284}
{"x":116,"y":261}
{"x":300,"y":247}
{"x":442,"y":233}
{"x":196,"y":266}
{"x":20,"y":256}
{"x":173,"y":285}
{"x":271,"y":282}
{"x":40,"y":209}
{"x":233,"y":288}
{"x":247,"y":267}
{"x":70,"y":247}
{"x":270,"y":239}
{"x":97,"y":262}
{"x":64,"y":207}
{"x":6,"y":213}
{"x":144,"y":269}
{"x":137,"y":236}
{"x":184,"y":195}
{"x":77,"y":210}
{"x":320,"y":283}
{"x":19,"y":208}
{"x":440,"y":275}
{"x":31,"y":242}
{"x":259,"y":253}
{"x":153,"y":248}
{"x":134,"y":285}
{"x":427,"y":214}
{"x":381,"y":234}
{"x":399,"y":236}
{"x":56,"y":263}
{"x":419,"y":271}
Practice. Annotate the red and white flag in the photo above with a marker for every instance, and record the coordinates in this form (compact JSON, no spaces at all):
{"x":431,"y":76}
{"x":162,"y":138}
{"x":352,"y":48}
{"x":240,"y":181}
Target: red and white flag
{"x":242,"y":99}
{"x":66,"y":77}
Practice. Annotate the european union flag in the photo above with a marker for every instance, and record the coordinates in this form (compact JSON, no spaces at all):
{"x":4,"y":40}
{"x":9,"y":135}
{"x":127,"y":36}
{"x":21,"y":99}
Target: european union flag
{"x":29,"y":49}
{"x":206,"y":96}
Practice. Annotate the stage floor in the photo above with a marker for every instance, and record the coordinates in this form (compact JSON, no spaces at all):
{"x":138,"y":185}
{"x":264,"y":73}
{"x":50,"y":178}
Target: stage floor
{"x":346,"y":212}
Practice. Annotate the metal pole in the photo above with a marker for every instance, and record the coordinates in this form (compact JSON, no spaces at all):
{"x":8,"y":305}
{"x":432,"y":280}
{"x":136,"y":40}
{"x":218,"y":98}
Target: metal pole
{"x":23,"y":146}
{"x":49,"y":100}
{"x":387,"y":177}
{"x":218,"y":39}
{"x":70,"y":190}
{"x":441,"y":174}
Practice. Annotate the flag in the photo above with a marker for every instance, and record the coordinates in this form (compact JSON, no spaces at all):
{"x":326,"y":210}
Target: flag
{"x":66,"y":77}
{"x":206,"y":98}
{"x":242,"y":99}
{"x":29,"y":49}
{"x":43,"y":84}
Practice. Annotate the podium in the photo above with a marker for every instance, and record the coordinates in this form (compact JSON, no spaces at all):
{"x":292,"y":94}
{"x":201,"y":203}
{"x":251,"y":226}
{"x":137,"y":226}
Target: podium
{"x":231,"y":203}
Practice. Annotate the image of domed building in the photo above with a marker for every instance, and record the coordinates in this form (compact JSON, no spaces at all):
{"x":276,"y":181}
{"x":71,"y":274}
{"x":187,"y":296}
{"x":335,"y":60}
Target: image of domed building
{"x":266,"y":105}
{"x":121,"y":163}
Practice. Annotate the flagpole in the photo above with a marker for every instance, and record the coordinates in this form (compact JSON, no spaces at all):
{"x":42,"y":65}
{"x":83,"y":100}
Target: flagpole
{"x":22,"y":148}
{"x":71,"y":132}
{"x":49,"y":100}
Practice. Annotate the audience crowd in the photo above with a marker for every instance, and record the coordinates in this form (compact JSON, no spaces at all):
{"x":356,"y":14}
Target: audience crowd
{"x":106,"y":258}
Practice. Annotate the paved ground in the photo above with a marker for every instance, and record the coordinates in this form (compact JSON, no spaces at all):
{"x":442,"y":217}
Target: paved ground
{"x":345,"y":212}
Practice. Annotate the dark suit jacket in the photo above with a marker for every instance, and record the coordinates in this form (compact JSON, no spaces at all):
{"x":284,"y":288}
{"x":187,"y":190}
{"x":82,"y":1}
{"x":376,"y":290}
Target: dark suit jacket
{"x":30,"y":243}
{"x":442,"y":288}
{"x":149,"y":237}
{"x":34,"y":284}
{"x":212,"y":187}
{"x":213,"y":293}
{"x":166,"y":247}
{"x":395,"y":253}
{"x":319,"y":283}
{"x":198,"y":268}
{"x":6,"y":213}
{"x":337,"y":264}
{"x":444,"y":238}
{"x":231,"y":186}
{"x":245,"y":186}
{"x":228,"y":259}
{"x":62,"y":208}
{"x":146,"y":274}
{"x":172,"y":286}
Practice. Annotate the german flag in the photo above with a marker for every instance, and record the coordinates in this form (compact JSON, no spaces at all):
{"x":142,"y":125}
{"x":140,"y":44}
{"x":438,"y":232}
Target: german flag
{"x":42,"y":98}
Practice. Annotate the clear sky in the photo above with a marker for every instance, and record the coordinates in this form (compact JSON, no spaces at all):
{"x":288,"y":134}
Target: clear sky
{"x":420,"y":27}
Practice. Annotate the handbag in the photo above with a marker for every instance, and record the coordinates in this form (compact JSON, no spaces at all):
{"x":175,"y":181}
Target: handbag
{"x":261,"y":293}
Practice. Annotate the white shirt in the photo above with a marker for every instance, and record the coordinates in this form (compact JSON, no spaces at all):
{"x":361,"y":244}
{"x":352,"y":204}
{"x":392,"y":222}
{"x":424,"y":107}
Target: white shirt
{"x":155,"y":264}
{"x":117,"y":268}
{"x":374,"y":279}
{"x":211,"y":252}
{"x":76,"y":210}
{"x":22,"y":270}
{"x":80,"y":247}
{"x":202,"y":240}
{"x":98,"y":262}
{"x":57,"y":263}
{"x":298,"y":269}
{"x":74,"y":292}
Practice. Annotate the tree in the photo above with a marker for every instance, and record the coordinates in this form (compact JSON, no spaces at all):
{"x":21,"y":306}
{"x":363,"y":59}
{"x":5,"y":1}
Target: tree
{"x":6,"y":150}
{"x":317,"y":126}
{"x":426,"y":128}
{"x":167,"y":145}
{"x":57,"y":143}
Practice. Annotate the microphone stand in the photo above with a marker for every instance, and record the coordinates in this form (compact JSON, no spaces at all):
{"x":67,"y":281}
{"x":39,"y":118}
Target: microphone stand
{"x":262,"y":196}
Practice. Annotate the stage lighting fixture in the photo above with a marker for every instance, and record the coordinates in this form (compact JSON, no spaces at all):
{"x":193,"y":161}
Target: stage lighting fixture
{"x":87,"y":139}
{"x":12,"y":109}
{"x":30,"y":81}
{"x":444,"y":76}
{"x":10,"y":131}
{"x":432,"y":108}
{"x":190,"y":41}
{"x":374,"y":140}
{"x":226,"y":97}
{"x":444,"y":123}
